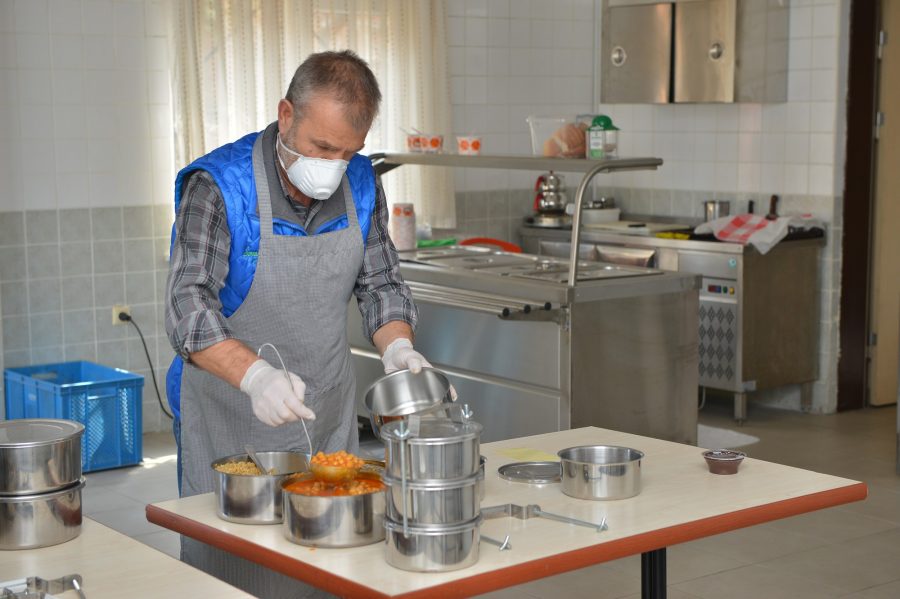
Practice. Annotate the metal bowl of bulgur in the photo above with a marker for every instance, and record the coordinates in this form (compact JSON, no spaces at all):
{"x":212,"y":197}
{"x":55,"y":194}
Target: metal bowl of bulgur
{"x":245,"y":495}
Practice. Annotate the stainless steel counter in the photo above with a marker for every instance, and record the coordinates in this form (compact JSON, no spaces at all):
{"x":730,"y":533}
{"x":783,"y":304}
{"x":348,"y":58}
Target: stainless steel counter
{"x":758,"y":314}
{"x":530,"y":355}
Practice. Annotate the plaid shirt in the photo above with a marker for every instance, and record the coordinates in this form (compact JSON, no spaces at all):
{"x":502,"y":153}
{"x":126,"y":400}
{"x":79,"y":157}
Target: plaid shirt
{"x":199,"y":265}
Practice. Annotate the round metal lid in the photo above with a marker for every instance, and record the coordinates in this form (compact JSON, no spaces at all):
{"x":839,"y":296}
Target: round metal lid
{"x":535,"y":473}
{"x":30,"y":432}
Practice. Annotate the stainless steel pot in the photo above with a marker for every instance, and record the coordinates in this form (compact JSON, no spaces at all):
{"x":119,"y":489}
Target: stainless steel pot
{"x":601,"y":471}
{"x":344,"y":521}
{"x":40,"y":520}
{"x":432,"y":548}
{"x":39,"y":455}
{"x":249,"y":499}
{"x":434,"y":502}
{"x":399,"y":394}
{"x":442,"y":449}
{"x":714,"y":209}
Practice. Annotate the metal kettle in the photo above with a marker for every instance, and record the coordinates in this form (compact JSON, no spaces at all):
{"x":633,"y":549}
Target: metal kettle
{"x":550,"y":194}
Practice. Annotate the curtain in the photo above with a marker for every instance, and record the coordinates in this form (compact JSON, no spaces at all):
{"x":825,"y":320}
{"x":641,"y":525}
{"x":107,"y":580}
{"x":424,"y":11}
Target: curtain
{"x":235,"y":58}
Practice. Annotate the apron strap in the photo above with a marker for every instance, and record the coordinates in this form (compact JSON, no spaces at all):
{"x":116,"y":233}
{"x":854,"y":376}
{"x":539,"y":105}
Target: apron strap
{"x":263,"y":197}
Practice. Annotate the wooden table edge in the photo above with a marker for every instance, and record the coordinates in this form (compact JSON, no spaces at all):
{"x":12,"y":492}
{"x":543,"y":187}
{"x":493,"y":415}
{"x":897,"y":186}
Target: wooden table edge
{"x":526,"y":571}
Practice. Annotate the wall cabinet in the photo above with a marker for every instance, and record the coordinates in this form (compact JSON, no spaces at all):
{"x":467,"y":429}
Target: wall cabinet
{"x":694,"y":51}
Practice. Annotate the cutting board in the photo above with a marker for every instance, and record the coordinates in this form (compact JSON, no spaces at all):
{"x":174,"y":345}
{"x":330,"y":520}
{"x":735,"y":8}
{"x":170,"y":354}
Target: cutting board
{"x":625,"y":227}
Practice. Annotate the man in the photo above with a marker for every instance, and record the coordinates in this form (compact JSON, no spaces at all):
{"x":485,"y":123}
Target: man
{"x":273,"y":234}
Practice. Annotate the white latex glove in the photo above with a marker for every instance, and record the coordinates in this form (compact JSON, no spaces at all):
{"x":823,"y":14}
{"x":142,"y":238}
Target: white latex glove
{"x":275,"y":400}
{"x":400,"y":355}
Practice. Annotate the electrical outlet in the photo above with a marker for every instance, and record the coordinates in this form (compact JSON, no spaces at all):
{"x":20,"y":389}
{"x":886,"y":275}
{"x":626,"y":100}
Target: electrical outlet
{"x":118,"y":309}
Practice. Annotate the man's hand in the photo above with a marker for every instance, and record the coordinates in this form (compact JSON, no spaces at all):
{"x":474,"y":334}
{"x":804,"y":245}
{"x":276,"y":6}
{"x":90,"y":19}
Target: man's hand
{"x":400,"y":355}
{"x":275,"y":400}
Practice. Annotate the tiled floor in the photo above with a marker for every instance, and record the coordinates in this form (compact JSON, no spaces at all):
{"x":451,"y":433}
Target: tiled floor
{"x":851,"y":551}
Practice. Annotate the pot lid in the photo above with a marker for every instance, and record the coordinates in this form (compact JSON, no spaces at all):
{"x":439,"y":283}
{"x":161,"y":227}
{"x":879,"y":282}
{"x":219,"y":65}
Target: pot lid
{"x":30,"y":432}
{"x":535,"y":473}
{"x":434,"y":430}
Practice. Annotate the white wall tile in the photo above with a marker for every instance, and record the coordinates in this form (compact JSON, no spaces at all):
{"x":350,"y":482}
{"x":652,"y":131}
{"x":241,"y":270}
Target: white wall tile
{"x":7,"y":16}
{"x":726,"y":176}
{"x":99,"y":52}
{"x":797,"y":148}
{"x":705,"y":118}
{"x":476,"y":8}
{"x":705,"y":147}
{"x":498,"y":8}
{"x":456,"y":31}
{"x":33,"y":50}
{"x":825,"y":21}
{"x":823,"y":84}
{"x":8,"y":57}
{"x":65,"y":18}
{"x":772,"y":177}
{"x":476,"y":32}
{"x":821,"y":180}
{"x":32,"y":16}
{"x":456,"y":59}
{"x":824,"y":52}
{"x":476,"y":90}
{"x":519,"y":33}
{"x":726,"y":147}
{"x":749,"y":147}
{"x":69,"y":121}
{"x":498,"y":33}
{"x":798,"y":115}
{"x":821,"y":148}
{"x":822,"y":117}
{"x":71,"y":155}
{"x":36,"y":122}
{"x":156,"y":17}
{"x":801,"y":22}
{"x":748,"y":176}
{"x":751,"y":117}
{"x":34,"y":87}
{"x":67,"y":51}
{"x":128,"y":18}
{"x":97,"y":17}
{"x":456,"y":8}
{"x":476,"y":60}
{"x":800,"y":53}
{"x":796,"y":178}
{"x":498,"y":62}
{"x":130,"y":52}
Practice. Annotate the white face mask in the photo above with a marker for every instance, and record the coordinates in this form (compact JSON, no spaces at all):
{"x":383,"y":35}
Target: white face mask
{"x":316,"y":178}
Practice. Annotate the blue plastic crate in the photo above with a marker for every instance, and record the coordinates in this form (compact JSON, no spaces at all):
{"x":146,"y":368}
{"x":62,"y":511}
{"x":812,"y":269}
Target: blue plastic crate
{"x":107,"y":401}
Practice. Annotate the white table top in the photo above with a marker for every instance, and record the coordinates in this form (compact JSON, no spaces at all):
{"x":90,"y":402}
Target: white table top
{"x":680,"y":501}
{"x":112,"y":566}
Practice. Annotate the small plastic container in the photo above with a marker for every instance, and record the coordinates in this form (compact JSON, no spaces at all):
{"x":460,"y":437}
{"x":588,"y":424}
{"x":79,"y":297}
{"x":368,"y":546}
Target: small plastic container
{"x":556,"y":136}
{"x":601,"y":137}
{"x":432,"y":143}
{"x":723,"y":461}
{"x":468,"y":145}
{"x":402,"y":226}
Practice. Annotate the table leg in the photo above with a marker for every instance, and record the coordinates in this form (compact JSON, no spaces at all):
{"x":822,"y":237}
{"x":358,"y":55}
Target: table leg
{"x":653,"y":574}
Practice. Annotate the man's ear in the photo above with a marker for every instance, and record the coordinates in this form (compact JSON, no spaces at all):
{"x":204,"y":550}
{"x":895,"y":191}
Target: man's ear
{"x":285,"y":116}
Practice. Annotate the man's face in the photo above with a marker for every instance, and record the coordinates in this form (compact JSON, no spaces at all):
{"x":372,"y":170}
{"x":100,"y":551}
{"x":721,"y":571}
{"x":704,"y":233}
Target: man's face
{"x":322,"y":132}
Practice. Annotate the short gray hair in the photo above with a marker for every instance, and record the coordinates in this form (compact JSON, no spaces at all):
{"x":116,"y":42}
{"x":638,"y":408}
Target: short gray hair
{"x":345,"y":76}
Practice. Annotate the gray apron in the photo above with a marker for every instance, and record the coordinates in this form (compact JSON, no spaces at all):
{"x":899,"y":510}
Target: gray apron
{"x":298,"y":302}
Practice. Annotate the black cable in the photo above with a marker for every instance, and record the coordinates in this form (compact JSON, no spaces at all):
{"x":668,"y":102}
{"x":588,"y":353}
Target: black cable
{"x":127,"y":318}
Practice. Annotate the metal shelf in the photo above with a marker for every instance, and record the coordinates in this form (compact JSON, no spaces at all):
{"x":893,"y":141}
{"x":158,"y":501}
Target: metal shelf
{"x":387,"y":161}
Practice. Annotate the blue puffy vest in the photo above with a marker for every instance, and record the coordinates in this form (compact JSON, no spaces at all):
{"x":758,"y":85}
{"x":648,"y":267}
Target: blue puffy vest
{"x":231,"y":167}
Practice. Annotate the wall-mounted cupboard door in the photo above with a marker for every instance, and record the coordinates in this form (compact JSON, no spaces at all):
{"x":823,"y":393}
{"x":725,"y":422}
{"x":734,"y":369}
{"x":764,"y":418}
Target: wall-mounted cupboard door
{"x":637,"y":51}
{"x":705,"y":51}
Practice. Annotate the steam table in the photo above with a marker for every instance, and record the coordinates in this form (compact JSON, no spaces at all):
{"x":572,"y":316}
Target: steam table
{"x":680,"y":501}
